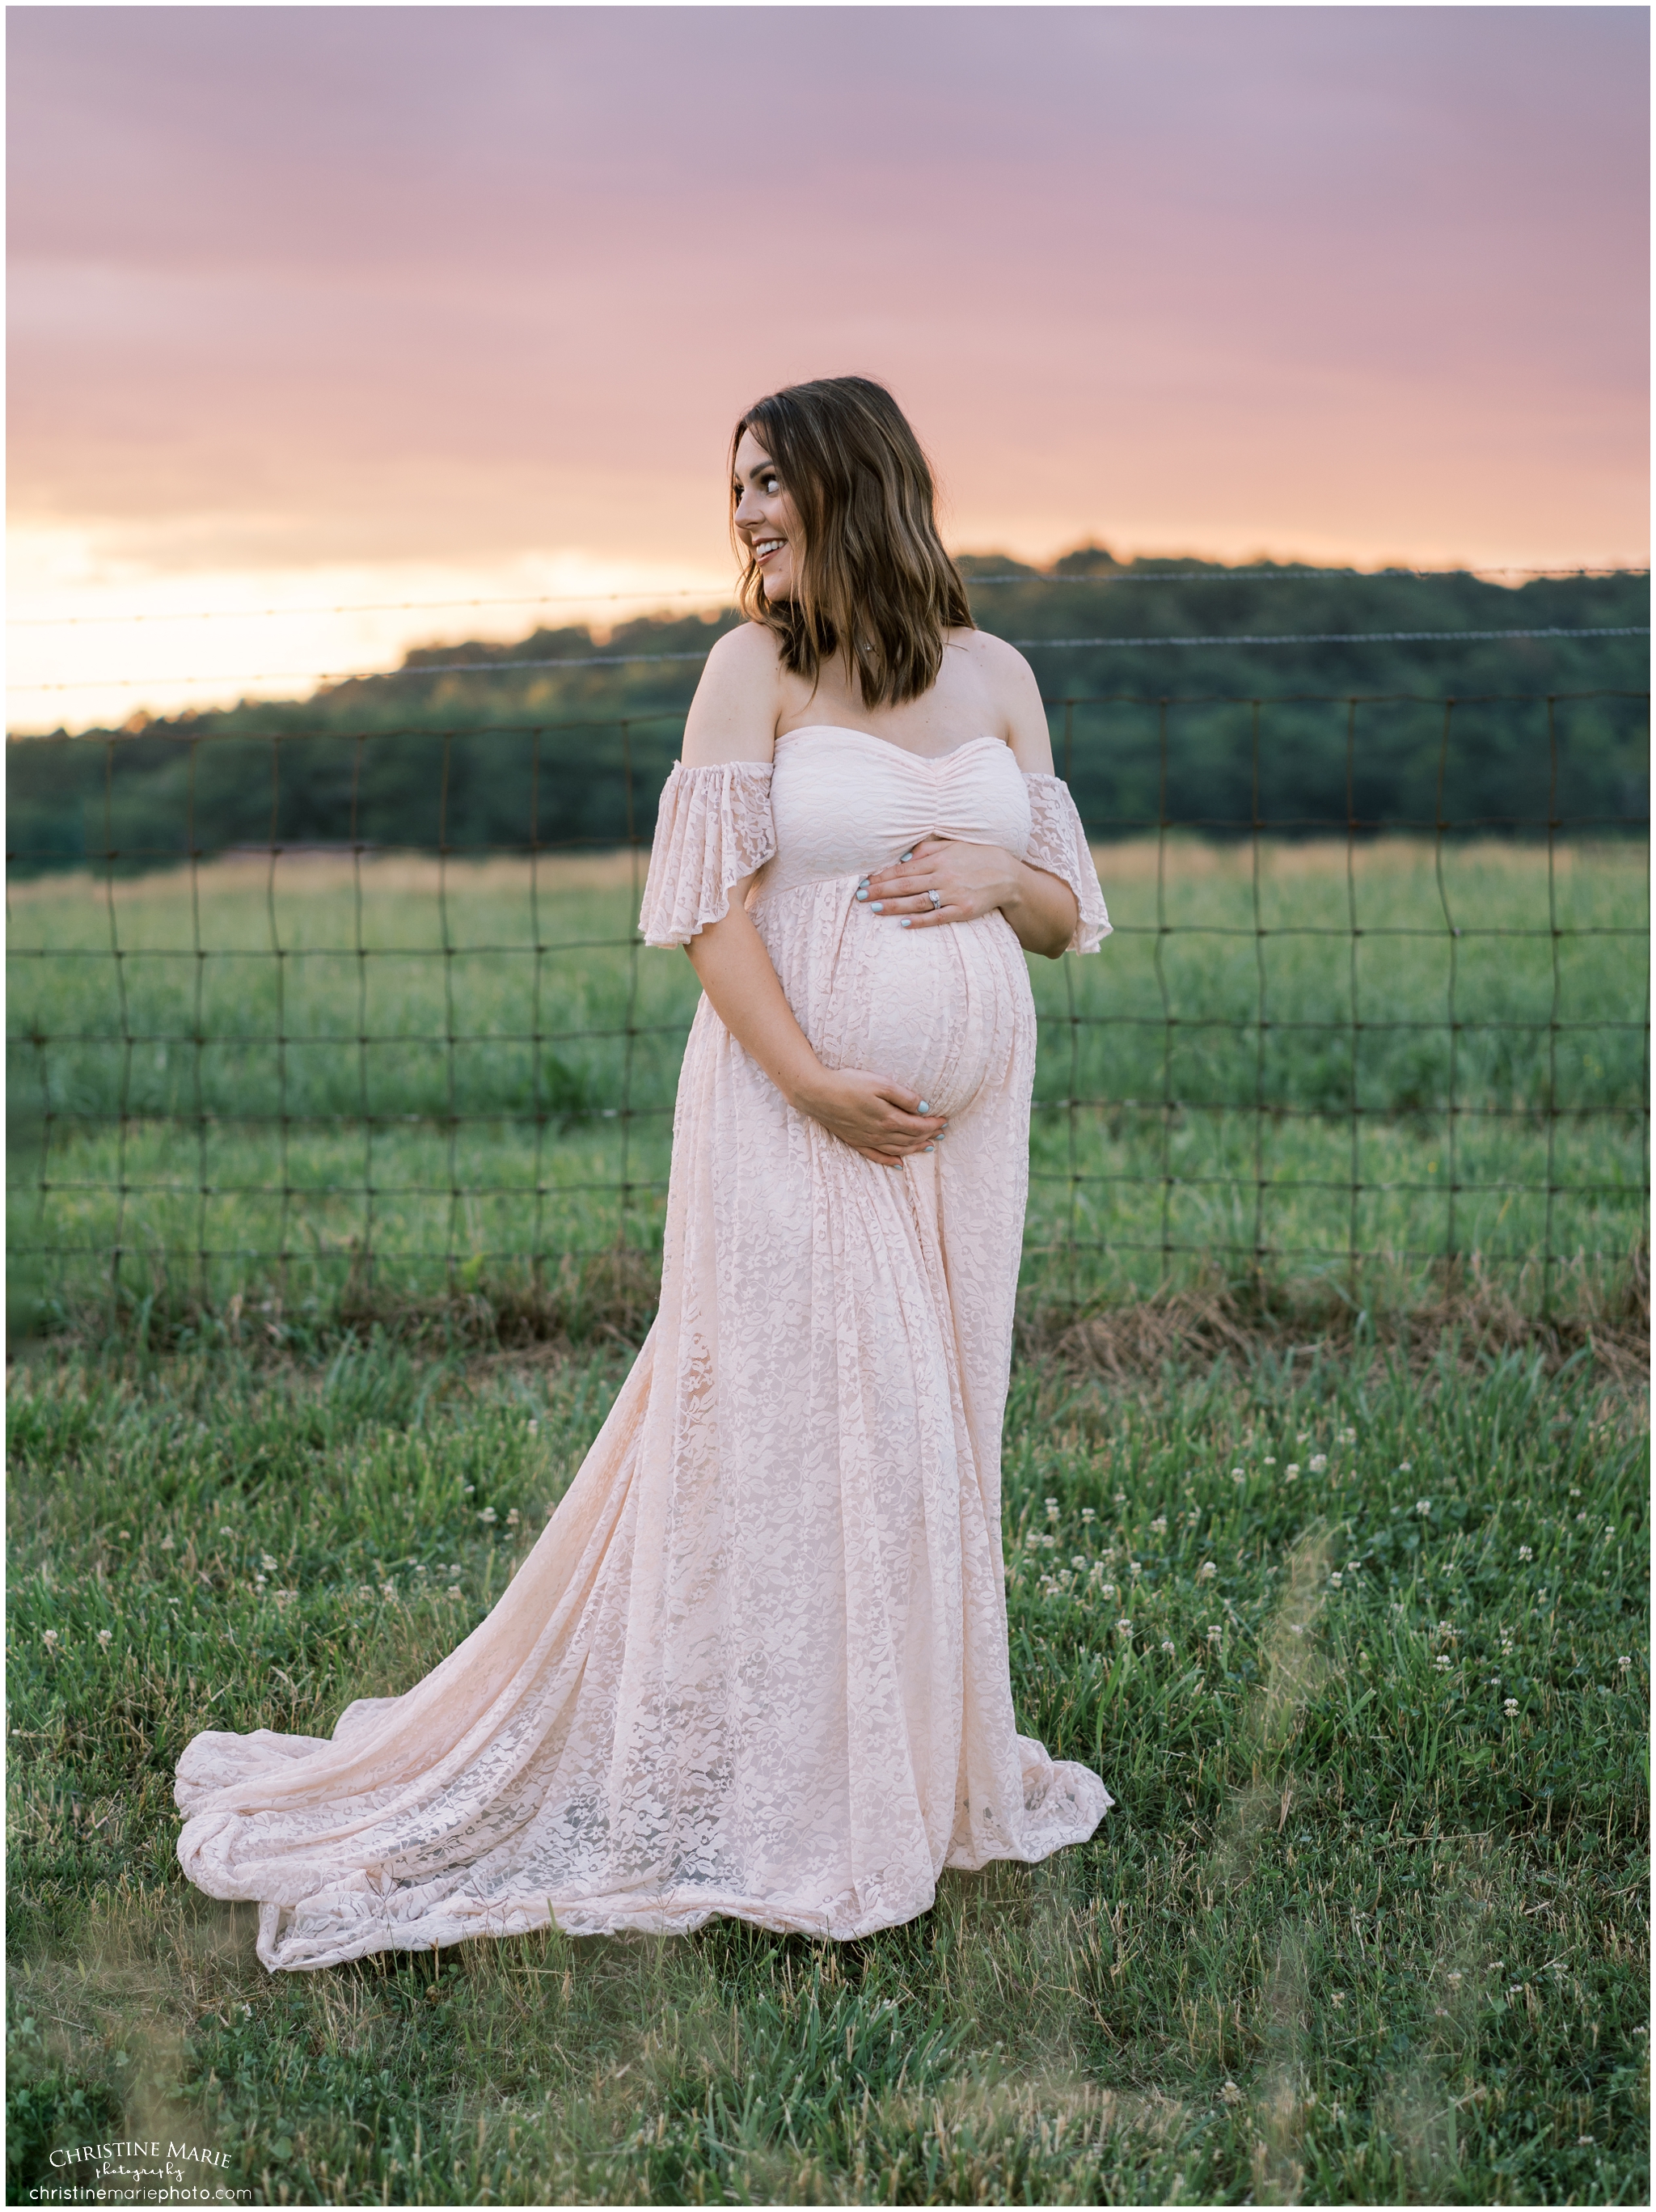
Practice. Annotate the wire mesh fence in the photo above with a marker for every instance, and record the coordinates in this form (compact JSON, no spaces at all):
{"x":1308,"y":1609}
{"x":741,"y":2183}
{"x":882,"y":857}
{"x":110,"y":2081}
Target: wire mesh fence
{"x":343,"y":1021}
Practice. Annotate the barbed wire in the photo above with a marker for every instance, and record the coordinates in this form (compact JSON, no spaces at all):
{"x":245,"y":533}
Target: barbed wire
{"x":1024,"y":645}
{"x":711,"y":594}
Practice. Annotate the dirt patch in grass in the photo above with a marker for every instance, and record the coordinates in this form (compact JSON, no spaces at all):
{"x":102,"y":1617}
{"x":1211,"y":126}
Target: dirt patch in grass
{"x":1472,"y":1317}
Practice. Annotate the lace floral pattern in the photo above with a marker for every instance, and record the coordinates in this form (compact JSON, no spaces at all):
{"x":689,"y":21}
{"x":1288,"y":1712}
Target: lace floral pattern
{"x":756,"y":1663}
{"x":712,"y":828}
{"x":1058,"y":843}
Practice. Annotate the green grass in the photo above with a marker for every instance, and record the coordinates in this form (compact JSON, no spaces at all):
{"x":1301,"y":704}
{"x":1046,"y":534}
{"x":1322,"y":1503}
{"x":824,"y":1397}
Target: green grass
{"x":1357,"y":1930}
{"x":1195,"y":1088}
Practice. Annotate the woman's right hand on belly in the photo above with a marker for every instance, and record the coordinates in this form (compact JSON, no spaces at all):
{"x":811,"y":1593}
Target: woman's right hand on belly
{"x":882,"y":1120}
{"x":875,"y":1116}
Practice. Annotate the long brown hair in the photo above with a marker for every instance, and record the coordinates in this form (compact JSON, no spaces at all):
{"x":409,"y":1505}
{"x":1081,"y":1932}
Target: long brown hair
{"x":872,"y":573}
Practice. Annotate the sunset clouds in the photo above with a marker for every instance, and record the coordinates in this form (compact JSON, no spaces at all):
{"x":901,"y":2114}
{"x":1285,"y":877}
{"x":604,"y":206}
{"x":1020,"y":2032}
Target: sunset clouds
{"x":391,"y":302}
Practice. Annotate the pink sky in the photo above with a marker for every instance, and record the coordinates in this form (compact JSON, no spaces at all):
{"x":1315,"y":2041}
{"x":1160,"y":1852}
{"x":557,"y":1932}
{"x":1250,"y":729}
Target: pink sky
{"x":337,"y":301}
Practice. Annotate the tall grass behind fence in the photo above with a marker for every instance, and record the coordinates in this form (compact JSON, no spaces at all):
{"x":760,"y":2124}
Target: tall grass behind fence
{"x":1368,"y":1045}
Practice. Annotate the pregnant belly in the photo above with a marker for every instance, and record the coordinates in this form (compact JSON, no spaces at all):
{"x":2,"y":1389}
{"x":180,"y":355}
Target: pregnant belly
{"x":938,"y":1009}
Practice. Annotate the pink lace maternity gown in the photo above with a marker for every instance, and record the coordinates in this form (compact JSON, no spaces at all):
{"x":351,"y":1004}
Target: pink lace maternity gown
{"x":756,"y":1664}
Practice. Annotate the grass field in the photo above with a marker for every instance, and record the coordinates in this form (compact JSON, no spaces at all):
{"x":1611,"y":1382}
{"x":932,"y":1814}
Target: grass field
{"x":1361,"y":1650}
{"x":384,"y":1082}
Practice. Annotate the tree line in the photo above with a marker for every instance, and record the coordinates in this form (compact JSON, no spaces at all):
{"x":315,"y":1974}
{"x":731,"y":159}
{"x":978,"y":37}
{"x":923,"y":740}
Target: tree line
{"x":1351,"y":726}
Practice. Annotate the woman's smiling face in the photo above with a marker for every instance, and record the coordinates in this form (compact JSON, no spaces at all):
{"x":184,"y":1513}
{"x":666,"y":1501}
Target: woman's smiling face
{"x":765,"y":518}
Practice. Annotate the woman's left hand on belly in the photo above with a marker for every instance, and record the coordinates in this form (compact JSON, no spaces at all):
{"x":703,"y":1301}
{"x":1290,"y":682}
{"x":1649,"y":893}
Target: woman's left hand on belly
{"x":942,"y":879}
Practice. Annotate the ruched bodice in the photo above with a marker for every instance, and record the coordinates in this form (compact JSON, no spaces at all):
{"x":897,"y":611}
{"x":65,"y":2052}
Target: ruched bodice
{"x":756,"y":1663}
{"x":843,"y":802}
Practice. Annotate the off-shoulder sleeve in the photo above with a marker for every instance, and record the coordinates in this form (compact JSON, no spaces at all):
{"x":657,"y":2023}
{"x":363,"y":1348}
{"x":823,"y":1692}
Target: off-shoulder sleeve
{"x":713,"y":827}
{"x":1057,"y":843}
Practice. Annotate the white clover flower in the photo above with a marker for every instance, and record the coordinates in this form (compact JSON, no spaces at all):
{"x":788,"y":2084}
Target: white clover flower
{"x":1336,"y":1998}
{"x":1422,"y":1505}
{"x":267,"y":1563}
{"x":1215,"y":1634}
{"x":49,"y":1637}
{"x":1049,"y":1543}
{"x":1443,"y":1663}
{"x":365,"y":1590}
{"x":1319,"y":1460}
{"x":125,"y":1535}
{"x":1078,"y":1559}
{"x":1231,"y":2093}
{"x":1125,"y":1628}
{"x":487,"y":1515}
{"x":513,"y":1518}
{"x":455,"y":1568}
{"x":1089,"y":1514}
{"x":106,"y":1636}
{"x":1166,"y":1646}
{"x":1206,"y":1571}
{"x":1575,"y":1491}
{"x":167,"y":1544}
{"x":1108,"y":1590}
{"x":1582,"y":1516}
{"x":1291,"y":1472}
{"x":1510,"y":1708}
{"x":258,"y":1582}
{"x":1159,"y":1526}
{"x":1624,"y":1662}
{"x":1524,"y":1552}
{"x":285,"y":1598}
{"x":1335,"y":1579}
{"x":469,"y":1488}
{"x":1270,"y":1462}
{"x":1406,"y":1467}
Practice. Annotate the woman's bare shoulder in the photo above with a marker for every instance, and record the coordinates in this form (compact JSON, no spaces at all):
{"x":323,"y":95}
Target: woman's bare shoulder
{"x":1010,"y":684}
{"x":733,"y":714}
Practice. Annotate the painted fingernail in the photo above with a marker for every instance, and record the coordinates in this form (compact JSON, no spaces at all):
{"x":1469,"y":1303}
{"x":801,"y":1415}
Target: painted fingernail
{"x":924,"y":1106}
{"x":905,"y":922}
{"x":931,"y":1148}
{"x":879,"y":905}
{"x":905,"y":856}
{"x":862,"y":894}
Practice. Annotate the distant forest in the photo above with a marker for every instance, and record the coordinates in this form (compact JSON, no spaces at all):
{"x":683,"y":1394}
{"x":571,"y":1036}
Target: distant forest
{"x":1211,"y":737}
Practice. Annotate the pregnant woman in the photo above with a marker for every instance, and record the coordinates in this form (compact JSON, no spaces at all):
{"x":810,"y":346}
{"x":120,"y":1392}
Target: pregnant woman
{"x":756,"y":1664}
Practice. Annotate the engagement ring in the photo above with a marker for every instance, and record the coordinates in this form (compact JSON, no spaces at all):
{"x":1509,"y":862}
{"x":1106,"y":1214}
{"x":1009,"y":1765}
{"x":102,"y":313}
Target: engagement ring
{"x":936,"y":899}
